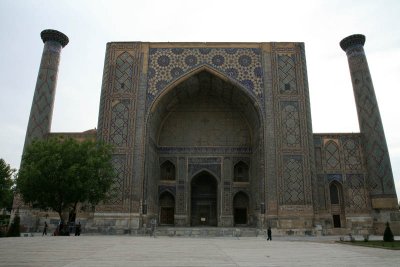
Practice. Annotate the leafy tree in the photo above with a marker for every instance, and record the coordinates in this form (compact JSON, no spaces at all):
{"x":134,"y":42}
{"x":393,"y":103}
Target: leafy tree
{"x":6,"y":185}
{"x":388,"y":235}
{"x":60,"y":173}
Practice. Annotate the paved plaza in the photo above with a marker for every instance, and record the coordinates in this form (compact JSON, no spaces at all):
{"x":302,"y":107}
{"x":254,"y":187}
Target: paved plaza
{"x":166,"y":251}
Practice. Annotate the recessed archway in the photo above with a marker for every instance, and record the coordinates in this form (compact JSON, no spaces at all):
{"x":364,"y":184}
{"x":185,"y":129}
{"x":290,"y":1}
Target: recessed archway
{"x":204,"y":189}
{"x":205,"y":93}
{"x":167,"y":208}
{"x":336,"y":201}
{"x":205,"y":116}
{"x":240,"y":208}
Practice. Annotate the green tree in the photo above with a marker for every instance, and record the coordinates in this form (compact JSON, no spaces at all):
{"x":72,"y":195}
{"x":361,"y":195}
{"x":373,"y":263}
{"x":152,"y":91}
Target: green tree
{"x":6,"y":185}
{"x":58,"y":174}
{"x":388,"y":235}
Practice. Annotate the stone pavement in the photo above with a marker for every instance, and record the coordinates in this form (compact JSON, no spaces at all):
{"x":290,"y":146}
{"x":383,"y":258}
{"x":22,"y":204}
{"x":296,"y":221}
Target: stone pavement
{"x":176,"y":251}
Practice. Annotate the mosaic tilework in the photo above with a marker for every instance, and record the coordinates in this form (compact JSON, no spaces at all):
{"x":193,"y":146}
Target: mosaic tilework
{"x":380,"y":179}
{"x":118,"y":162}
{"x":320,"y":197}
{"x":287,"y":74}
{"x":357,"y":200}
{"x":293,"y":192}
{"x":351,"y":153}
{"x":180,"y":197}
{"x":290,"y":124}
{"x":43,"y":100}
{"x":334,"y":177}
{"x":227,"y":196}
{"x":123,"y":72}
{"x":241,"y":65}
{"x":166,"y":188}
{"x":332,"y":156}
{"x":102,"y":131}
{"x":119,"y":123}
{"x":211,"y":164}
{"x":116,"y":124}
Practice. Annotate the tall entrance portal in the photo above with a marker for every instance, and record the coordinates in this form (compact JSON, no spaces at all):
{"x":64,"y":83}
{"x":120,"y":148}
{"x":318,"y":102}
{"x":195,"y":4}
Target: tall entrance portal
{"x":204,"y":200}
{"x":204,"y":134}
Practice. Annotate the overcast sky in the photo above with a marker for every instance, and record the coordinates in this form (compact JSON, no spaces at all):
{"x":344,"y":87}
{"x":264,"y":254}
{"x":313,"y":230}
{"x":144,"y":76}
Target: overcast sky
{"x":91,"y":24}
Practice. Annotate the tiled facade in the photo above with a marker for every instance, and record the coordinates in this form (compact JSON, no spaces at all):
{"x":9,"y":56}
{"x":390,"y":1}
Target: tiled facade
{"x":219,"y":134}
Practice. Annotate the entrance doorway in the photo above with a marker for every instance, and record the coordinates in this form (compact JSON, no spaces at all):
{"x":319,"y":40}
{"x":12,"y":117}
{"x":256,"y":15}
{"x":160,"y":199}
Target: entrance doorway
{"x":167,"y":208}
{"x":336,"y":221}
{"x":240,"y":207}
{"x":204,"y":200}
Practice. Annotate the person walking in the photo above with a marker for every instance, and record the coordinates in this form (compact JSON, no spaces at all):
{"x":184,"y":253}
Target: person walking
{"x":78,"y":229}
{"x":269,"y":233}
{"x":45,"y":229}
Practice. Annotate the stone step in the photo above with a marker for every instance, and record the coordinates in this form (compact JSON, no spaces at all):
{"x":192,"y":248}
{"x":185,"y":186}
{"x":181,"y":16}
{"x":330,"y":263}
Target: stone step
{"x":207,"y":232}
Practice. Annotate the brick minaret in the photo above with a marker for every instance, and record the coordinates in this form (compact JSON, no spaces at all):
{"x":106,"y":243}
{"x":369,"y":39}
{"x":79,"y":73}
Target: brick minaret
{"x":42,"y":105}
{"x":380,"y":177}
{"x":43,"y":100}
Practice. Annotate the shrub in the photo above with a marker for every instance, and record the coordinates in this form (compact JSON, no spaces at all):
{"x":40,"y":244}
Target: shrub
{"x":366,"y":237}
{"x":388,"y":235}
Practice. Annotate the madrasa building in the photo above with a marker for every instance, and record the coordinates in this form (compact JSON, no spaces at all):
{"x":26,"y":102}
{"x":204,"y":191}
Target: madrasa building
{"x":219,"y":135}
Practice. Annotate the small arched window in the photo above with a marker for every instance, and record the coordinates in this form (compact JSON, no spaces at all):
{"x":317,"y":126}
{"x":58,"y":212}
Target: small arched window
{"x":334,"y":193}
{"x":241,"y":172}
{"x":167,"y":171}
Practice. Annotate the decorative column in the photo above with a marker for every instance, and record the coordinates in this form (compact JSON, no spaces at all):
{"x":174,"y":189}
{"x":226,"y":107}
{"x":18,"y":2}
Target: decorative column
{"x":380,"y":177}
{"x":43,"y":100}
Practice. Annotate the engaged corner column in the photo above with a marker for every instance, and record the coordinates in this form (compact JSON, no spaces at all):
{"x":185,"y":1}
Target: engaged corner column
{"x":43,"y":100}
{"x":380,"y":176}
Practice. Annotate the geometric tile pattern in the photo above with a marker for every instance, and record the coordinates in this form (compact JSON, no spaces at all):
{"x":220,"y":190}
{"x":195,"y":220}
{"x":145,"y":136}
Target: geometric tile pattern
{"x":357,"y":196}
{"x":123,"y":72}
{"x":351,"y":153}
{"x":293,"y":193}
{"x":118,"y":162}
{"x":332,"y":156}
{"x":43,"y":100}
{"x":227,"y":195}
{"x":290,"y":124}
{"x":241,"y":65}
{"x":116,"y":124}
{"x":120,"y":123}
{"x":287,"y":74}
{"x":334,"y":177}
{"x":350,"y":177}
{"x":380,"y":177}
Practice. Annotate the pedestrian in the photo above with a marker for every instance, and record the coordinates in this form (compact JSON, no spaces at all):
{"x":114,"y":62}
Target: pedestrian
{"x":78,"y":229}
{"x":269,"y":233}
{"x":153,"y":224}
{"x":45,"y":229}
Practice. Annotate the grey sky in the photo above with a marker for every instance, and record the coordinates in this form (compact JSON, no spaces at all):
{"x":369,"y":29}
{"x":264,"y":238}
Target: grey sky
{"x":91,"y":24}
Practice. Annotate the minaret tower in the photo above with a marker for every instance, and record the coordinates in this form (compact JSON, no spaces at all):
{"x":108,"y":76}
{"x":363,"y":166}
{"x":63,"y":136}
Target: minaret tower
{"x":380,"y":177}
{"x":43,"y":100}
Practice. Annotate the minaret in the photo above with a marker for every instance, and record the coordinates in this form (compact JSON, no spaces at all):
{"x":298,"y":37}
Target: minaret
{"x":43,"y":100}
{"x":380,"y":176}
{"x":42,"y":105}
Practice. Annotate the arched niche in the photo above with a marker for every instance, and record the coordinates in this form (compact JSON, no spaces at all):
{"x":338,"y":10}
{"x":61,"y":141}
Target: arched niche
{"x":166,"y":208}
{"x":337,"y":205}
{"x":201,"y":109}
{"x":167,"y":171}
{"x":204,"y":200}
{"x":240,"y":208}
{"x":241,"y":172}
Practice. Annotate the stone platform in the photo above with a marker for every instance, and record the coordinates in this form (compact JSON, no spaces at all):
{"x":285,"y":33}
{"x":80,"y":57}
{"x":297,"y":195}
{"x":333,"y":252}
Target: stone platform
{"x":208,"y":231}
{"x":188,"y":251}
